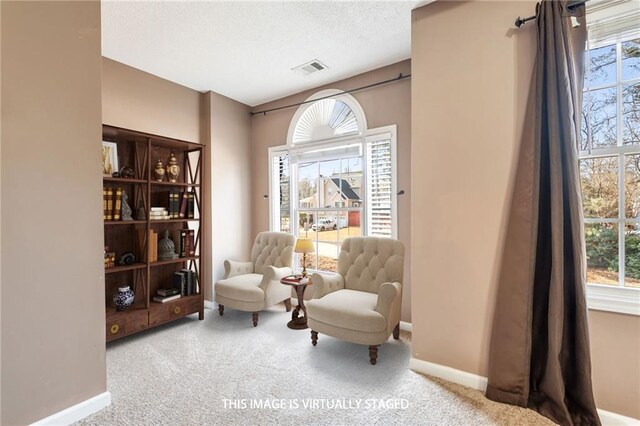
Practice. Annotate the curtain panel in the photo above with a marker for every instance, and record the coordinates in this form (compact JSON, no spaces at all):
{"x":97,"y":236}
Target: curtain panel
{"x":539,"y":352}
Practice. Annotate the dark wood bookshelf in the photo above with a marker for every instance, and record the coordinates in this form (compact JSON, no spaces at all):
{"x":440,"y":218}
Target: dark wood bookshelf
{"x":141,"y":151}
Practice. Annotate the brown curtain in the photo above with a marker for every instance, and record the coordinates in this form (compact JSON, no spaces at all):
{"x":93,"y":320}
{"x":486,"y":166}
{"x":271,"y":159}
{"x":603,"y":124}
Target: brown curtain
{"x":539,"y":353}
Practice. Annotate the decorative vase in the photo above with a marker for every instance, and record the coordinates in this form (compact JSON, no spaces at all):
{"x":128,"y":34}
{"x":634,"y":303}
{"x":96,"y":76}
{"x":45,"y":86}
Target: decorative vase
{"x":173,"y":169}
{"x":158,"y":171}
{"x":123,"y":299}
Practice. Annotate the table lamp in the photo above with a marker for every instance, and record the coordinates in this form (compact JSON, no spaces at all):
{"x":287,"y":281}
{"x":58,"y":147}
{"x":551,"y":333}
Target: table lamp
{"x":304,"y":246}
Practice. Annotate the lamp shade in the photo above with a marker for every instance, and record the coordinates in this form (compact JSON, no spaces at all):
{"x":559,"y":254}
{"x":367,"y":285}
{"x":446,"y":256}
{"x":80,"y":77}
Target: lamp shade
{"x":304,"y":245}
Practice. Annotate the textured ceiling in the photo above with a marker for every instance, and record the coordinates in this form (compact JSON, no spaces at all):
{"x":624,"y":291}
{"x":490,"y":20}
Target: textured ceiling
{"x":245,"y":50}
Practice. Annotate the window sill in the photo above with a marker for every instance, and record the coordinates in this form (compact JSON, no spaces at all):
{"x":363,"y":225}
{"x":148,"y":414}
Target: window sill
{"x":613,"y":299}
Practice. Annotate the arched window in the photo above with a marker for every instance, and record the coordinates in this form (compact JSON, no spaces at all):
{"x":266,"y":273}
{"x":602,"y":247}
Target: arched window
{"x":334,"y":179}
{"x":327,"y":118}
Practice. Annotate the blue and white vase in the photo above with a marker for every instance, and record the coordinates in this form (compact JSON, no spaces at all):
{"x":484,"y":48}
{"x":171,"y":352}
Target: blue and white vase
{"x":123,"y":298}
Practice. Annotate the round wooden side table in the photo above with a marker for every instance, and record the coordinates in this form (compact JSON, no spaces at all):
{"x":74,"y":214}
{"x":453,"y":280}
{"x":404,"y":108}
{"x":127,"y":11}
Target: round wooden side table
{"x":297,"y":322}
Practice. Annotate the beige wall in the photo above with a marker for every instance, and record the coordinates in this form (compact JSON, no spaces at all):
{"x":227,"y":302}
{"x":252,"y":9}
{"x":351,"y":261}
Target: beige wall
{"x":471,"y":74}
{"x":383,"y":105}
{"x":230,"y":161}
{"x":53,"y":351}
{"x":140,"y":101}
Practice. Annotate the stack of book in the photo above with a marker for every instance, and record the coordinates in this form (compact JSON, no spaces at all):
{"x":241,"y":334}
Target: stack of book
{"x":181,"y":204}
{"x":186,"y":282}
{"x":165,"y":295}
{"x":111,"y":203}
{"x":159,"y":213}
{"x":109,"y":258}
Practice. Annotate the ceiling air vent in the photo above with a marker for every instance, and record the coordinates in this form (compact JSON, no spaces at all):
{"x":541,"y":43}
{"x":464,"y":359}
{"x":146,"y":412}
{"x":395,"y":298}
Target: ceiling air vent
{"x":309,"y":67}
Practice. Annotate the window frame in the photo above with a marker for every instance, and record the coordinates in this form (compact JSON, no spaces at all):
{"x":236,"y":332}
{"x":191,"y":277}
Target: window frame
{"x":603,"y":297}
{"x":335,"y":143}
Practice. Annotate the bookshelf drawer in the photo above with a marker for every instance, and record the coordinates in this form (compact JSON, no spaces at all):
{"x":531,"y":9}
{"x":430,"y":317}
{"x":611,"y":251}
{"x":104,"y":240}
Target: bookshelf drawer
{"x":121,"y":325}
{"x":172,"y":310}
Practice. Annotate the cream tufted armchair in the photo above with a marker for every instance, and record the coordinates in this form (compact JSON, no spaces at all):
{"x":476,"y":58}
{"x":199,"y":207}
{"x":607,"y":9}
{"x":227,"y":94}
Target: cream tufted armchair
{"x":361,"y":303}
{"x":254,"y":286}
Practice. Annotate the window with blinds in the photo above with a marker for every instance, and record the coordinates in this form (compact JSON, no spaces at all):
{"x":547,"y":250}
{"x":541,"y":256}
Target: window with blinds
{"x":335,"y":190}
{"x":380,"y":185}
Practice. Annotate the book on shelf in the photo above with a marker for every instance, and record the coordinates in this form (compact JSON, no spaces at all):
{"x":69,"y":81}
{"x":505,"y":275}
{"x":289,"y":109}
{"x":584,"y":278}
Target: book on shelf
{"x":180,"y":282}
{"x":159,"y":213}
{"x":192,"y":281}
{"x":174,"y":203}
{"x":165,"y":299}
{"x":191,"y":205}
{"x":104,"y":203}
{"x":184,"y":201}
{"x":165,"y":292}
{"x":117,"y":203}
{"x":153,"y":246}
{"x":109,"y":203}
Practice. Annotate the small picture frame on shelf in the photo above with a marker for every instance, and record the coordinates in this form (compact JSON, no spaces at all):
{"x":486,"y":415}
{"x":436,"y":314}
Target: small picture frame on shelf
{"x":109,"y":158}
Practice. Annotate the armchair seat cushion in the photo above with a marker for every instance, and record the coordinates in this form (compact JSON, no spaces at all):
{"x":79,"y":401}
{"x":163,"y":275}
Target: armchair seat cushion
{"x":350,"y":309}
{"x":244,"y":287}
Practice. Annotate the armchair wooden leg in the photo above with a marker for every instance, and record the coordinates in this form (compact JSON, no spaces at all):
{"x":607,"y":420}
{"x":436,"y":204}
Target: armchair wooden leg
{"x":254,"y":317}
{"x":221,"y":309}
{"x":396,"y":331}
{"x":287,"y":304}
{"x":314,"y":338}
{"x":373,"y":354}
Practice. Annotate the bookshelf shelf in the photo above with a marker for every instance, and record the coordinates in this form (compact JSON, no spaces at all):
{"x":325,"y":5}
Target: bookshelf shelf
{"x":160,"y":221}
{"x":141,"y":151}
{"x":172,"y":261}
{"x":120,"y":222}
{"x":178,"y":184}
{"x":125,"y":268}
{"x":123,"y":180}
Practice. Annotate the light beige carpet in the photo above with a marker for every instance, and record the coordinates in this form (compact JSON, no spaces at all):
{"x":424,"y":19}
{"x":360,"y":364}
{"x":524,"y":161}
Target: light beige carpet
{"x":184,"y":373}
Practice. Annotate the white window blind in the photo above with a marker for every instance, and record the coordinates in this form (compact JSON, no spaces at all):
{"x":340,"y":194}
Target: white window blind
{"x":282,"y":180}
{"x":607,"y":20}
{"x":380,"y":185}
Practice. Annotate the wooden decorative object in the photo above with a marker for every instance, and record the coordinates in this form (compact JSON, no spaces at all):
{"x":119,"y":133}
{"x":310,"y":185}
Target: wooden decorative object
{"x":396,"y":331}
{"x":254,"y":318}
{"x":287,"y":304}
{"x":373,"y":354}
{"x":148,"y":274}
{"x":314,"y":337}
{"x":297,"y":322}
{"x":221,"y":309}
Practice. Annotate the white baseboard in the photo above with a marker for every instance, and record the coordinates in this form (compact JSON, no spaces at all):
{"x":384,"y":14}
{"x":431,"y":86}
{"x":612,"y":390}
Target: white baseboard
{"x":449,"y":374}
{"x":480,"y":383}
{"x":612,"y":419}
{"x":406,"y":326}
{"x":208,"y":304}
{"x":77,"y":412}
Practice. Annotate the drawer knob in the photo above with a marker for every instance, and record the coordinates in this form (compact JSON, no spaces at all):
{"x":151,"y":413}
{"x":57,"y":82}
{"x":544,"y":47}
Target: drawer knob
{"x":115,"y":328}
{"x":176,"y":310}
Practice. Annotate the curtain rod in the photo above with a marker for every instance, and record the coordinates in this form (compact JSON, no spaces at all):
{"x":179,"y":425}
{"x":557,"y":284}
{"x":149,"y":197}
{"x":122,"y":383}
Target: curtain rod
{"x":369,"y":86}
{"x":570,"y":6}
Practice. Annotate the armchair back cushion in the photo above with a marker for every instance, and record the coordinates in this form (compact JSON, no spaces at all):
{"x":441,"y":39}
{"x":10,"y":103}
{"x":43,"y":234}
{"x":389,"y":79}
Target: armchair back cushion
{"x":272,"y":249}
{"x":368,"y":262}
